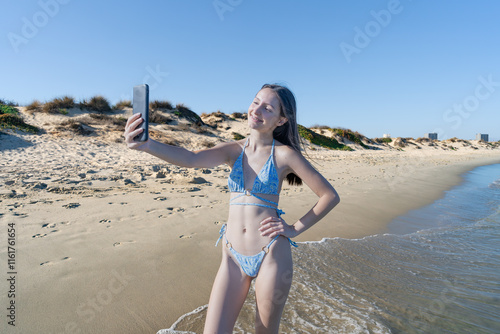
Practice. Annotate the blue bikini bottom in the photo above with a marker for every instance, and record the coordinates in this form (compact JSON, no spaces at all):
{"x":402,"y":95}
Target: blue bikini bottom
{"x":249,"y":264}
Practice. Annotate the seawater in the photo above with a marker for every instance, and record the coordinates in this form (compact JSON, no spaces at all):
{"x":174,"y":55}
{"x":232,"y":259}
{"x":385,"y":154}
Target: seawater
{"x":437,"y":271}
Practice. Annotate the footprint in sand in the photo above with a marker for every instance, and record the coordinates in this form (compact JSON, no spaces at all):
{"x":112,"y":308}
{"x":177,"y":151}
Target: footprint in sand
{"x":172,"y":209}
{"x":71,"y":205}
{"x":183,"y":236}
{"x":161,"y":198}
{"x":105,"y":221}
{"x":49,"y":263}
{"x":123,"y":242}
{"x":39,"y":235}
{"x":48,"y":225}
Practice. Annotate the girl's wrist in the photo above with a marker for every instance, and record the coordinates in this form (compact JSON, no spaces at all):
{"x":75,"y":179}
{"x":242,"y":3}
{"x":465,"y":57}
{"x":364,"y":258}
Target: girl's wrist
{"x":294,"y":231}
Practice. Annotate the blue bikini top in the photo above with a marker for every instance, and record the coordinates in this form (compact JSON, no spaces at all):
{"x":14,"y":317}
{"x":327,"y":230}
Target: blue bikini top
{"x":266,"y":182}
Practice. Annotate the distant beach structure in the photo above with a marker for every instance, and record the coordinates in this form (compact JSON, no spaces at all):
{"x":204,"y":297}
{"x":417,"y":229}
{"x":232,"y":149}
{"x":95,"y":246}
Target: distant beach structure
{"x":386,"y":135}
{"x":482,"y":136}
{"x":431,"y":135}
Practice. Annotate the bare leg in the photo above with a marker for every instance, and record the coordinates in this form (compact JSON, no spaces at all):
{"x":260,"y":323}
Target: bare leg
{"x":272,"y":286}
{"x":229,"y":292}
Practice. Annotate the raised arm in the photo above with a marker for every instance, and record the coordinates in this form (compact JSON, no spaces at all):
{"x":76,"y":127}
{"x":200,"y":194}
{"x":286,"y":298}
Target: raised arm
{"x":175,"y":155}
{"x":328,"y":198}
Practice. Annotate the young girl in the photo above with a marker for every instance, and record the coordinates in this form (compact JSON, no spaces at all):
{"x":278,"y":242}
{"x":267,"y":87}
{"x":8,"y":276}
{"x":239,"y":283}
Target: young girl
{"x":256,"y":240}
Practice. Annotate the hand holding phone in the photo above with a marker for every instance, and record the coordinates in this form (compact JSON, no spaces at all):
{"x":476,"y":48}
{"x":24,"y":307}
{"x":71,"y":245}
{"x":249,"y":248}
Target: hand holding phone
{"x":141,"y":106}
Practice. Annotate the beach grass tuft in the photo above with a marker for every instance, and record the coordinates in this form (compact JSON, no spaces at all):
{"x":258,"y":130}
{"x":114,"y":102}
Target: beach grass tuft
{"x":35,"y":106}
{"x":122,"y":105}
{"x":56,"y":106}
{"x":97,"y":103}
{"x":157,"y":104}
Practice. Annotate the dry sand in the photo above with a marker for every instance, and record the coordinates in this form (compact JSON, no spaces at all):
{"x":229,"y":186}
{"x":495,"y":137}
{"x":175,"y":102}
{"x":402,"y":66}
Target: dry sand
{"x":109,"y":240}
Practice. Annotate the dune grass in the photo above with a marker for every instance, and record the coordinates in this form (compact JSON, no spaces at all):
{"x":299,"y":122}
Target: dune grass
{"x":13,"y":121}
{"x":321,"y":140}
{"x":157,"y":104}
{"x":353,"y":136}
{"x":122,"y":105}
{"x":97,"y":103}
{"x":58,"y":105}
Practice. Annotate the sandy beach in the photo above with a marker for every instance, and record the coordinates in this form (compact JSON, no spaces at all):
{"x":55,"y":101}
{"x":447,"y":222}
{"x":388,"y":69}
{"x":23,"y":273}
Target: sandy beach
{"x":110,"y":240}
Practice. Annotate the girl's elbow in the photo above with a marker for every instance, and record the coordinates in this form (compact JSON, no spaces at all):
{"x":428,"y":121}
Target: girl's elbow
{"x":335,"y":199}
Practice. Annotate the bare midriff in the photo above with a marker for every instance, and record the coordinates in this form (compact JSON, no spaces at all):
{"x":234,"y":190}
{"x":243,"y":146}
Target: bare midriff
{"x":243,"y":224}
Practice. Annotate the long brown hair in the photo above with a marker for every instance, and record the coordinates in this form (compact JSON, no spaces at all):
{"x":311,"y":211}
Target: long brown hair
{"x":287,"y":133}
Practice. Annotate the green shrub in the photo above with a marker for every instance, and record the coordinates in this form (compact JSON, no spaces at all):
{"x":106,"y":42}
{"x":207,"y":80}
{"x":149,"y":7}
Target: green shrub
{"x":237,"y":136}
{"x":12,"y":121}
{"x":383,"y":140}
{"x":321,"y":140}
{"x":355,"y":137}
{"x":6,"y":109}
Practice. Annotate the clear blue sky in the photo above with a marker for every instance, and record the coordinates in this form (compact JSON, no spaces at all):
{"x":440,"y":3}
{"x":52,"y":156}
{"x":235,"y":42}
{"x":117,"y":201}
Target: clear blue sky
{"x":399,"y":67}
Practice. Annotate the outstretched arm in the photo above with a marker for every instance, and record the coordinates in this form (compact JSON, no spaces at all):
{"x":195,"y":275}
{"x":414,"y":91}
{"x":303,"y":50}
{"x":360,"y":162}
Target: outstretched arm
{"x":175,"y":155}
{"x":328,"y":199}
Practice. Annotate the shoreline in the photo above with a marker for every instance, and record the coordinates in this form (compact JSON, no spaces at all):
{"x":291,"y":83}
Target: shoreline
{"x":366,"y":210}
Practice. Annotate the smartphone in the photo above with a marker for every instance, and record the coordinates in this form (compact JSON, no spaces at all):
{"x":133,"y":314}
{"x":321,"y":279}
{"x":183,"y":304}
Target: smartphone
{"x":141,"y":106}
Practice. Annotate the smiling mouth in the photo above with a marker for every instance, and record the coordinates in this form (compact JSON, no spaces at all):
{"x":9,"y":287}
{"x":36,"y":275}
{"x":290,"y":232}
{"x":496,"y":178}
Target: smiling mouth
{"x":255,"y":119}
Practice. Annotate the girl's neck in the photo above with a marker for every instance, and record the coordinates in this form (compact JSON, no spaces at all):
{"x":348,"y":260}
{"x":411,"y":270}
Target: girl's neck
{"x":258,"y":139}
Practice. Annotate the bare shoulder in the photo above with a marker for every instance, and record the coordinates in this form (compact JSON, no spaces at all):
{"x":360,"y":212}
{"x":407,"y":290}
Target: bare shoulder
{"x":232,"y":149}
{"x":288,"y":157}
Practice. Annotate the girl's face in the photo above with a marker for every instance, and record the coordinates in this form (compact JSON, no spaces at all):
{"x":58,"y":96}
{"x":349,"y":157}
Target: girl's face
{"x":264,"y":112}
